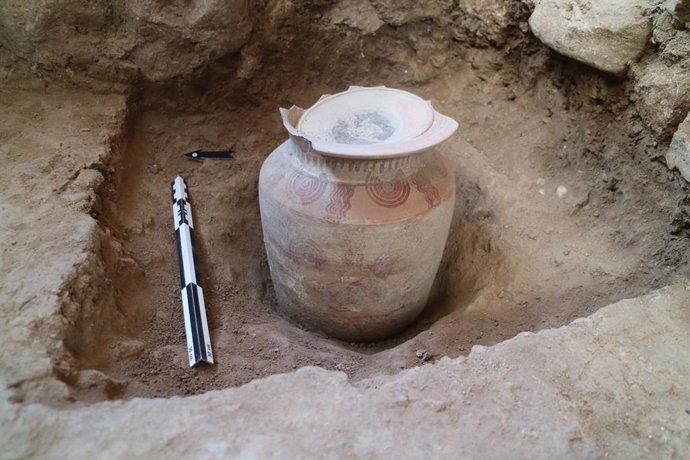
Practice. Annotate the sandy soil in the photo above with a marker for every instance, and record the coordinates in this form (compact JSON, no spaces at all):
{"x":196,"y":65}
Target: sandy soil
{"x":561,"y":209}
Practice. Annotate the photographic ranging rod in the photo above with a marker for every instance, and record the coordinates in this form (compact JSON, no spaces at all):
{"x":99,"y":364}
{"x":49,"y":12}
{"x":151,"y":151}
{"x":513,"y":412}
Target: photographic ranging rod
{"x":193,"y":307}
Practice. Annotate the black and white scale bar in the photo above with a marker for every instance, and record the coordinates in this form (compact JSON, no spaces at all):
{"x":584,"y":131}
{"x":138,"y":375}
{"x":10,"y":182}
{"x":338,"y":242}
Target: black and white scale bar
{"x":196,"y":326}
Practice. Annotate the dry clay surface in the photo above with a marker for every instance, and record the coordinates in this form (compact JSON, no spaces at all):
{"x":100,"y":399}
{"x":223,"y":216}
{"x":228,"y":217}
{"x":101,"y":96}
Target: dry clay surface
{"x":52,"y":144}
{"x":611,"y":385}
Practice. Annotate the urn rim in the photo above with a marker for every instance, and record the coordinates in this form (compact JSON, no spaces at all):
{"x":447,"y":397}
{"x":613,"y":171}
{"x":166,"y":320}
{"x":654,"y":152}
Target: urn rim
{"x":400,"y":134}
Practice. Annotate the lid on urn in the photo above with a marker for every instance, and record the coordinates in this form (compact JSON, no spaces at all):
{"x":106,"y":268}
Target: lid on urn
{"x":361,"y":116}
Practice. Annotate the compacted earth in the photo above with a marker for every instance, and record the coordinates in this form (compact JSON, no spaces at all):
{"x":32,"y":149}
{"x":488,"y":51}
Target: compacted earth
{"x":565,"y":204}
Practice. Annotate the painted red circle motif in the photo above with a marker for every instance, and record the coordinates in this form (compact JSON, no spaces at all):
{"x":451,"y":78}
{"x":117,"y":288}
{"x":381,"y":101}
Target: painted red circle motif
{"x":306,"y":250}
{"x":390,"y":194}
{"x":303,"y":189}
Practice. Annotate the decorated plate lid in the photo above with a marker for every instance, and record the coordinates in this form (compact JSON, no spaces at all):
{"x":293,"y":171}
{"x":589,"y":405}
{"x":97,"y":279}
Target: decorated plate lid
{"x":361,"y":116}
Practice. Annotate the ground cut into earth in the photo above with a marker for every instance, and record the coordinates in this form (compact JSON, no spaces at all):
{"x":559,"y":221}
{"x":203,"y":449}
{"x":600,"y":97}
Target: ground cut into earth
{"x":561,"y":209}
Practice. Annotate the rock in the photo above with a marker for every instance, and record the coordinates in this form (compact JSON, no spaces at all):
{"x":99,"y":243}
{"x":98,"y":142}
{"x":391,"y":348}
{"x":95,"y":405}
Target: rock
{"x":671,"y":17}
{"x":677,"y":49}
{"x":174,"y":38}
{"x":126,"y":348}
{"x":117,"y":40}
{"x":358,"y":14}
{"x":664,"y":28}
{"x":605,"y":35}
{"x":678,"y":155}
{"x":662,"y":86}
{"x":89,"y":179}
{"x":400,"y":12}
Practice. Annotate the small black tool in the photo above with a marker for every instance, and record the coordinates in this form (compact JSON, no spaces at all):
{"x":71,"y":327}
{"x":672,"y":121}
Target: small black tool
{"x":203,"y":154}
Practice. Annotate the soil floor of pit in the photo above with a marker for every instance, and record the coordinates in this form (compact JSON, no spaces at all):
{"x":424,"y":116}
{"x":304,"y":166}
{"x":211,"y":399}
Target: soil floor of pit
{"x":559,"y":212}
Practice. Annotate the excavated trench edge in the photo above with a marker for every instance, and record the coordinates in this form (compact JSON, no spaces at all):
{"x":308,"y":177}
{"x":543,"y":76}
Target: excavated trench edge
{"x":87,"y":296}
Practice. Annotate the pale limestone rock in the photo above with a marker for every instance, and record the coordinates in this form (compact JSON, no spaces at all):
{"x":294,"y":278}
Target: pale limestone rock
{"x":607,"y":35}
{"x":174,"y":38}
{"x":358,"y":14}
{"x":662,"y":85}
{"x":669,"y":17}
{"x":678,"y":155}
{"x":664,"y":28}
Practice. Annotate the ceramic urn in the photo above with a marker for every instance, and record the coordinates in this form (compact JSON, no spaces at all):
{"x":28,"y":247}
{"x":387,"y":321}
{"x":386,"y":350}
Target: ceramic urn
{"x":355,"y":208}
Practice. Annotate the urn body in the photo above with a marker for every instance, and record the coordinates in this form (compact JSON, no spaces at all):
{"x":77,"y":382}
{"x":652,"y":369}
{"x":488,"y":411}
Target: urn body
{"x":354,"y":244}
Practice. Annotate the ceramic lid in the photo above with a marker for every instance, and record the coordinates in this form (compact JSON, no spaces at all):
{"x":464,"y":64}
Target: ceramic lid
{"x":362,"y":116}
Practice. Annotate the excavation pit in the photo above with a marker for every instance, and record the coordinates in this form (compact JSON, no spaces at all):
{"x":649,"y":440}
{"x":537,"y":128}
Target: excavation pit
{"x":566,"y":202}
{"x":550,"y":224}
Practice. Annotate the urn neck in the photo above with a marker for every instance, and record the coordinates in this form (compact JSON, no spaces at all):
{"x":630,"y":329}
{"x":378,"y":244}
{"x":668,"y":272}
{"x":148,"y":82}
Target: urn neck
{"x":354,"y":170}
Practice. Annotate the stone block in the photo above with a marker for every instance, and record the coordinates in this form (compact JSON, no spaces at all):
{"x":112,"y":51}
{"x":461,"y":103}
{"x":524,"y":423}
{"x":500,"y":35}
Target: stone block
{"x":605,"y":35}
{"x":678,"y":155}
